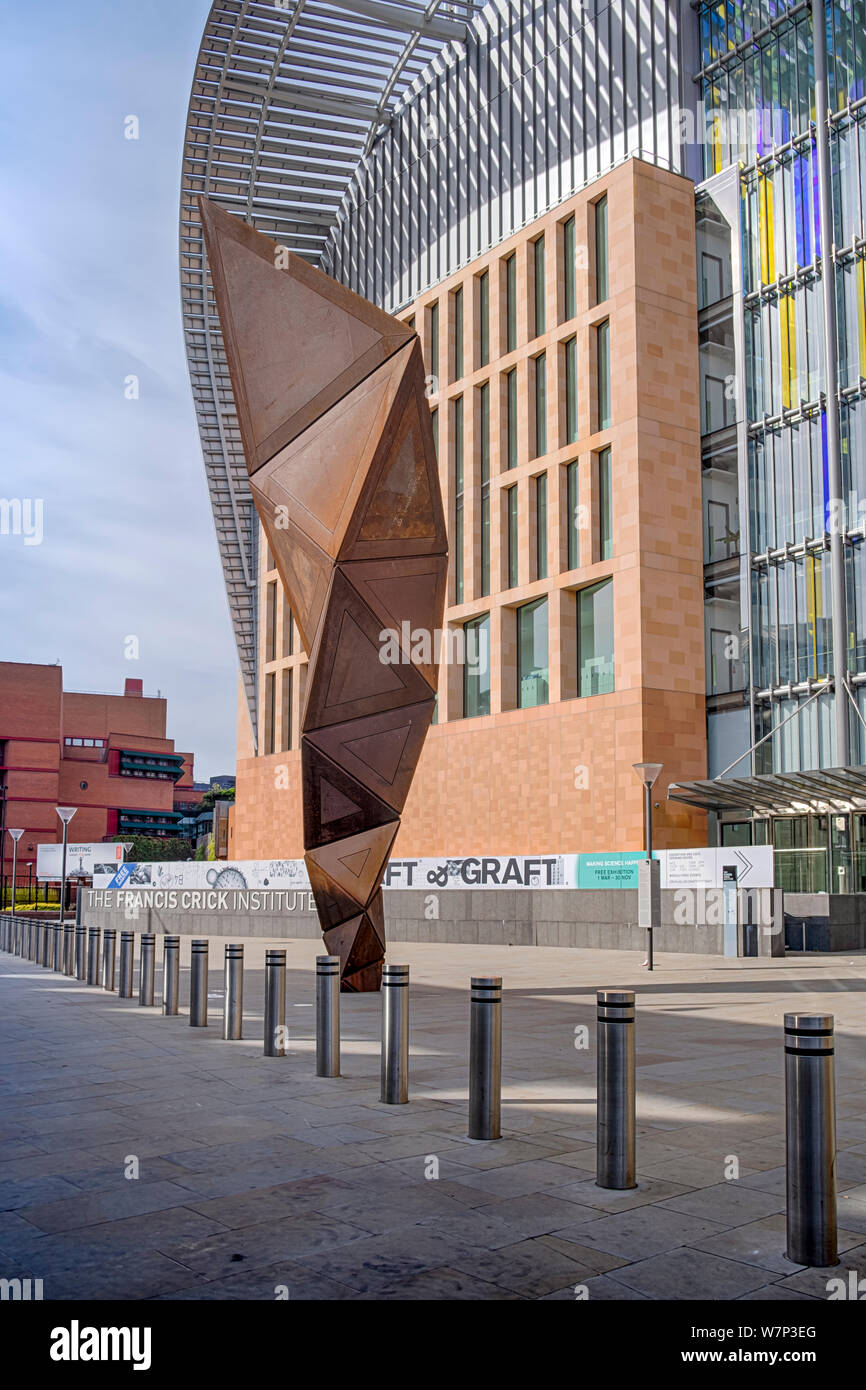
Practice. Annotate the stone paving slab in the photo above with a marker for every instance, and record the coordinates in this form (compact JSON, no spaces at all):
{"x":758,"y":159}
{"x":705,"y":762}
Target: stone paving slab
{"x":256,"y":1179}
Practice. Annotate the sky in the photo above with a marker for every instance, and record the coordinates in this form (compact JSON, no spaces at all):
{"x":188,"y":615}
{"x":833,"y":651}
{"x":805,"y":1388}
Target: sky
{"x":89,"y":297}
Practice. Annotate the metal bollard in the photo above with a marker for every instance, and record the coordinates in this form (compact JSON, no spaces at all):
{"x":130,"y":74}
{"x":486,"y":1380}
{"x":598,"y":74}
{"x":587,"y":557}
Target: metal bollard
{"x":485,"y":1057}
{"x":275,"y":1004}
{"x":80,"y":951}
{"x":69,"y":948}
{"x":327,"y":1015}
{"x":146,"y":966}
{"x":58,"y":949}
{"x":127,"y":955}
{"x":615,"y":1102}
{"x":810,"y":1133}
{"x":93,"y":943}
{"x":395,"y":1035}
{"x":233,"y":1014}
{"x":40,"y":943}
{"x":31,"y":940}
{"x":198,"y":985}
{"x":109,"y":939}
{"x":170,"y":974}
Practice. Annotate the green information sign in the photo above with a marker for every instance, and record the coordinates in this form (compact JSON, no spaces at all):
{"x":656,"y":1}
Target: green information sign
{"x":615,"y":870}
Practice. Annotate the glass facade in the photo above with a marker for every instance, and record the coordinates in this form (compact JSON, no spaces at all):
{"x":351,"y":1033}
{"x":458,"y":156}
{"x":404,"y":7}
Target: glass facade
{"x":511,"y":304}
{"x":569,"y":269}
{"x":457,"y":427}
{"x":511,"y":533}
{"x":602,"y":375}
{"x":484,"y":478}
{"x":540,"y":373}
{"x":539,"y":284}
{"x":570,"y":351}
{"x":484,"y":319}
{"x":605,"y":506}
{"x":572,"y":487}
{"x":476,"y":667}
{"x":595,"y":639}
{"x":511,"y":418}
{"x":602,"y":286}
{"x":541,"y":526}
{"x":457,"y":308}
{"x":532,"y":669}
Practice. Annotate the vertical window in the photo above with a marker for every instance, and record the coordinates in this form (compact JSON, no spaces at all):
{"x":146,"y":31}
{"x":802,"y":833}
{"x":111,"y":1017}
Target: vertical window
{"x":476,"y":667}
{"x":270,"y":693}
{"x":602,"y":286}
{"x":571,"y":391}
{"x":541,"y":526}
{"x":605,"y":506}
{"x":539,"y":285}
{"x":602,"y":351}
{"x":511,"y":497}
{"x":458,"y":498}
{"x":569,"y":266}
{"x":483,"y":319}
{"x":271,"y":622}
{"x":458,"y":332}
{"x":434,"y":421}
{"x":595,"y":639}
{"x":288,"y":628}
{"x":511,"y":303}
{"x":572,"y":485}
{"x":532,"y":654}
{"x":484,"y":440}
{"x":511,"y":418}
{"x":433,"y":339}
{"x":540,"y":405}
{"x":286,"y":709}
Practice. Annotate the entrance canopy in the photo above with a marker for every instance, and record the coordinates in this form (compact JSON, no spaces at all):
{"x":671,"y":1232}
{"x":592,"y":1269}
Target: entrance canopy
{"x":779,"y":793}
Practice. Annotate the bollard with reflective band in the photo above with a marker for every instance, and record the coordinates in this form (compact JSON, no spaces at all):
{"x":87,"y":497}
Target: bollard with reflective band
{"x":146,"y":969}
{"x":327,"y":1015}
{"x":275,"y":1004}
{"x":39,"y":954}
{"x":615,"y":1153}
{"x":31,"y":940}
{"x":485,"y":1057}
{"x":80,"y":951}
{"x":69,"y":948}
{"x":198,"y":984}
{"x":234,"y":992}
{"x":170,"y":975}
{"x":93,"y":944}
{"x":395,"y":1035}
{"x":109,"y":939}
{"x":127,"y":963}
{"x":58,"y":949}
{"x":810,"y":1133}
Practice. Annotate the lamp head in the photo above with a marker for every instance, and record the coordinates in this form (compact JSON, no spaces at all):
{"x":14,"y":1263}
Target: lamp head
{"x":66,"y":813}
{"x":648,"y":772}
{"x":16,"y":835}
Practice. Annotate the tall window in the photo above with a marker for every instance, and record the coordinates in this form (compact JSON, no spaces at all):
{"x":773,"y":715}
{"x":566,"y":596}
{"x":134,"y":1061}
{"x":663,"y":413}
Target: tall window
{"x":476,"y":667}
{"x":511,"y":418}
{"x":511,"y":303}
{"x":484,"y":441}
{"x":271,"y":622}
{"x":434,"y":421}
{"x":602,"y":350}
{"x":458,"y":499}
{"x":572,"y":488}
{"x":571,"y":391}
{"x":433,"y":339}
{"x":286,"y":710}
{"x":458,"y":332}
{"x":595,"y":639}
{"x":483,"y":319}
{"x":288,"y":628}
{"x":541,"y":526}
{"x":511,"y":502}
{"x":539,"y":285}
{"x":605,"y":506}
{"x":540,"y":405}
{"x":602,"y":286}
{"x":532,"y":673}
{"x":270,"y":695}
{"x":569,"y":266}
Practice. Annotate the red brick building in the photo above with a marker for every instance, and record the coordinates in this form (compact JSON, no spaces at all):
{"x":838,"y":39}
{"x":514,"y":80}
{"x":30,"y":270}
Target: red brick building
{"x":107,"y":755}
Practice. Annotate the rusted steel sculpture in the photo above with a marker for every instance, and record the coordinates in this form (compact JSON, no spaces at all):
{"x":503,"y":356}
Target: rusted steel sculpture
{"x":339,"y":445}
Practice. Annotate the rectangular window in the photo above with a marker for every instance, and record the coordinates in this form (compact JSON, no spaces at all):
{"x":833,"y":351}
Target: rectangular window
{"x":457,"y":306}
{"x":484,"y":441}
{"x":572,"y":485}
{"x":288,"y":628}
{"x":286,"y":709}
{"x":511,"y":303}
{"x":433,"y":341}
{"x":539,"y":285}
{"x":434,"y":421}
{"x":541,"y":526}
{"x":602,"y":286}
{"x":540,"y":405}
{"x":511,"y":496}
{"x":532,"y":686}
{"x":595,"y":639}
{"x":271,"y":622}
{"x":270,"y":695}
{"x":483,"y":319}
{"x":476,"y":667}
{"x":569,"y":266}
{"x":571,"y":391}
{"x":457,"y":419}
{"x":511,"y":418}
{"x":605,"y":506}
{"x":602,"y":351}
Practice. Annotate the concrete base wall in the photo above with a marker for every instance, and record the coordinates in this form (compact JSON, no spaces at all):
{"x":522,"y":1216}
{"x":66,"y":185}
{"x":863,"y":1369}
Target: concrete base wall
{"x":825,"y":921}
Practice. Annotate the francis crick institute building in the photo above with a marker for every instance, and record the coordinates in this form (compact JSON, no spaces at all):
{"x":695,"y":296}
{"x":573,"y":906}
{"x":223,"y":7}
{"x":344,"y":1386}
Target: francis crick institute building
{"x":631,"y":239}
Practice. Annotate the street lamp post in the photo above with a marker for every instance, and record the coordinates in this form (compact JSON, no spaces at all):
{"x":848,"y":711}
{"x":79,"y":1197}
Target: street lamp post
{"x":65,"y":813}
{"x":16,"y":836}
{"x":648,"y":772}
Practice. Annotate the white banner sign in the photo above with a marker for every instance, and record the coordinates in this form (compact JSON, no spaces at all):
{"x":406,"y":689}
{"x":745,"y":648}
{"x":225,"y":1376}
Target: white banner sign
{"x":82,"y":861}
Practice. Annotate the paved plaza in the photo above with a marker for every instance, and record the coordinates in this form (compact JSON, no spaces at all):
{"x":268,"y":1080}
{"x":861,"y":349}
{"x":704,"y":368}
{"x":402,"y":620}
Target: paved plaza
{"x":256,"y":1180}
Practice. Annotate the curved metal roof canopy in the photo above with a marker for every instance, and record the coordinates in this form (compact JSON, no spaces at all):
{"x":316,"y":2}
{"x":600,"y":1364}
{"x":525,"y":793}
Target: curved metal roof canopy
{"x":286,"y":99}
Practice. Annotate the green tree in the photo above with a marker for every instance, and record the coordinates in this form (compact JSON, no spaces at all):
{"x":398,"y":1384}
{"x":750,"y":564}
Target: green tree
{"x":150,"y":848}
